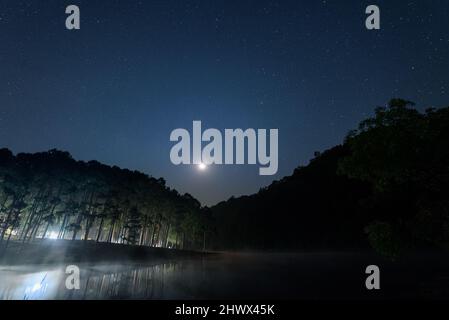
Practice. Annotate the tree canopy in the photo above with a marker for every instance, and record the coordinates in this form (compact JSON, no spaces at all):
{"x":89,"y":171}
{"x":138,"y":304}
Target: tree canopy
{"x":387,"y":185}
{"x":50,"y":195}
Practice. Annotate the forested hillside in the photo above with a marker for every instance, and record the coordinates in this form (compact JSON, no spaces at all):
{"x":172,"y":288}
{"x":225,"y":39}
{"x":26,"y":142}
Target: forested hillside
{"x":313,"y":208}
{"x":386,"y":186}
{"x":50,"y":195}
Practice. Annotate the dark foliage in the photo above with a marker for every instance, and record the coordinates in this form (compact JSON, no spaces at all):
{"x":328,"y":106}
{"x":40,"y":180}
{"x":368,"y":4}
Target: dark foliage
{"x":387,"y":185}
{"x":49,"y":194}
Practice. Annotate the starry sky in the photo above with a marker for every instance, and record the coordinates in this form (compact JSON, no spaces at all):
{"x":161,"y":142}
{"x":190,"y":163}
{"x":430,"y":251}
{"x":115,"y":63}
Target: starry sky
{"x":114,"y":90}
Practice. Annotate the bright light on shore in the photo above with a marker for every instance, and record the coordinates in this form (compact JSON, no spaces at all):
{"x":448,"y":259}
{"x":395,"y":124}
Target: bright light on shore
{"x":53,"y":235}
{"x":202,"y":166}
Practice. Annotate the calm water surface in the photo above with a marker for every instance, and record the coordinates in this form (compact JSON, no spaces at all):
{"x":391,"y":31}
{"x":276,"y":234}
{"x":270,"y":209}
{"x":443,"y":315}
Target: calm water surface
{"x":234,"y":276}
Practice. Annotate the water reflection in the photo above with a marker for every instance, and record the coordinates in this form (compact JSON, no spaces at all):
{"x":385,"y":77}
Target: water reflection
{"x":96,"y":282}
{"x":236,"y":276}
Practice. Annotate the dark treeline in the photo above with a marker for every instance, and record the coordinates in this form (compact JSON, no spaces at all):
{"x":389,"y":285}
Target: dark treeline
{"x":386,"y":186}
{"x":50,"y":195}
{"x":315,"y":208}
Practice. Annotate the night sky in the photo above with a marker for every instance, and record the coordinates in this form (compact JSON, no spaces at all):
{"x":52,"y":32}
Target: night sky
{"x":114,"y":90}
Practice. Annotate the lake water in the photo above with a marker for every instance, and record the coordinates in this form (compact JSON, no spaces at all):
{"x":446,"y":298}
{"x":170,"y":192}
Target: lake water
{"x":235,"y":276}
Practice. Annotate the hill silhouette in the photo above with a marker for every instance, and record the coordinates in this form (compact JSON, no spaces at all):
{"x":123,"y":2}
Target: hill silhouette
{"x":386,"y":187}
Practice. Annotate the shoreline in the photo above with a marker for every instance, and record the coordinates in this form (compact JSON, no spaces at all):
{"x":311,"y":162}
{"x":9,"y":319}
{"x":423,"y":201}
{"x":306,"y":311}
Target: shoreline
{"x":80,"y":251}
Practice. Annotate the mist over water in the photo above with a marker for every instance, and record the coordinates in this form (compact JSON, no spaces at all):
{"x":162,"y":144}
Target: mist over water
{"x":233,"y":276}
{"x":100,"y":281}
